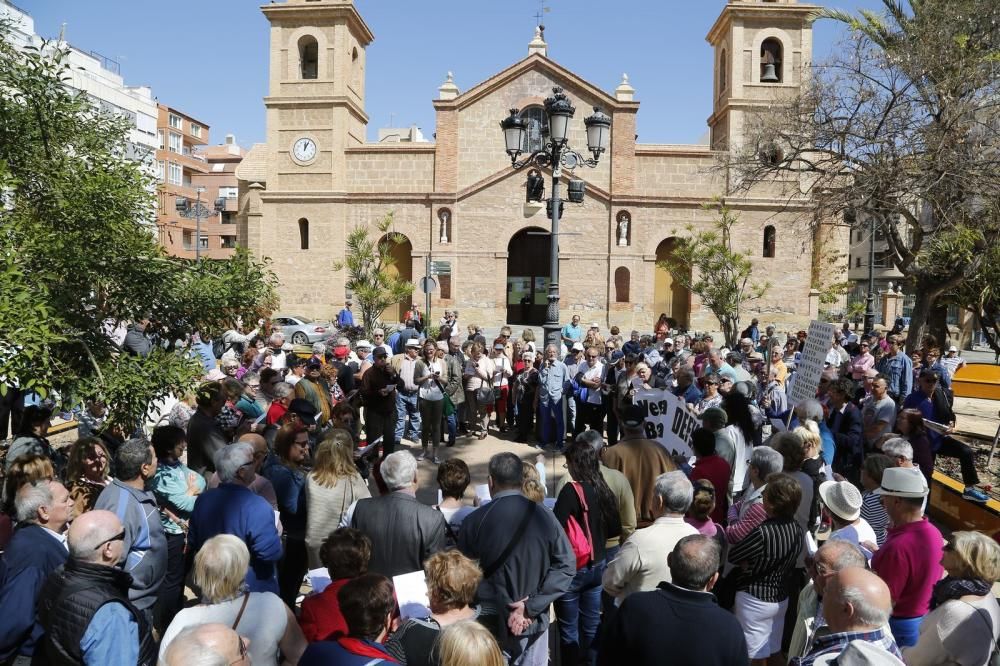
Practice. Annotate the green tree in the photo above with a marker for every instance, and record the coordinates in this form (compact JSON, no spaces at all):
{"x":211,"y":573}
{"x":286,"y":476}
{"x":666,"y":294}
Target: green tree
{"x":78,"y":255}
{"x":706,"y":264}
{"x":899,"y":126}
{"x":370,"y":276}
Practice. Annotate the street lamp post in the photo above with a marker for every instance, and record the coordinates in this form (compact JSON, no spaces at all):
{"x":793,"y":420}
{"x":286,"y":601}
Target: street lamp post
{"x":186,"y":208}
{"x":870,"y":298}
{"x":556,"y":154}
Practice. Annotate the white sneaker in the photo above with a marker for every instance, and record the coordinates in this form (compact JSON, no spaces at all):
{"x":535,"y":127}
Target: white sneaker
{"x":421,"y":456}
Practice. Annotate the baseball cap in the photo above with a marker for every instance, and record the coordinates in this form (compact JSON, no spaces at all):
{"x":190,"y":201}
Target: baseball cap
{"x":633,"y":416}
{"x":902,"y":482}
{"x":412,"y":342}
{"x":668,"y":341}
{"x":842,"y":499}
{"x":953,"y":348}
{"x":595,"y":325}
{"x":362,"y":344}
{"x":616,"y":356}
{"x":577,"y":346}
{"x":341,"y":352}
{"x":304,"y":409}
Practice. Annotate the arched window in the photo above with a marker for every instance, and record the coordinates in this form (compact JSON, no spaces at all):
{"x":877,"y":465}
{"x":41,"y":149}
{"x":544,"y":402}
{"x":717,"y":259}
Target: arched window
{"x":308,"y":57}
{"x":538,"y":129}
{"x":770,"y":61}
{"x":723,"y":72}
{"x":621,"y":285}
{"x":769,"y":240}
{"x":304,"y":234}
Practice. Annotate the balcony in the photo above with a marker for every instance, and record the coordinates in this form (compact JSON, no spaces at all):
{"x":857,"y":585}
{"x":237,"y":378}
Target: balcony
{"x":191,"y":160}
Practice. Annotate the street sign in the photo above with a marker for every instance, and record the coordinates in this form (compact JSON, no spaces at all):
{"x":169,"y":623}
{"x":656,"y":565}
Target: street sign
{"x":428,"y":284}
{"x":440,"y":268}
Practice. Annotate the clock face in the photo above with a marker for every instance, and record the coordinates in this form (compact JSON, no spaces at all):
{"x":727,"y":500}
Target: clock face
{"x":304,"y":150}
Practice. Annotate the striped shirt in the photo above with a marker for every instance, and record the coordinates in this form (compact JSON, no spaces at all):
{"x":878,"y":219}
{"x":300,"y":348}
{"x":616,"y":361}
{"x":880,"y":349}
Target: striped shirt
{"x":874,"y":514}
{"x":834,"y":644}
{"x":769,"y":554}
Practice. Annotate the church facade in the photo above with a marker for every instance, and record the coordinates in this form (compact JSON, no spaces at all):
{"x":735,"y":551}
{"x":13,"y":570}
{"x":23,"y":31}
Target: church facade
{"x":458,"y":203}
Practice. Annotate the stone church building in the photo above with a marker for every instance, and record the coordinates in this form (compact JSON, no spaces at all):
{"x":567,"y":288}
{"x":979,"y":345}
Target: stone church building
{"x":458,"y":202}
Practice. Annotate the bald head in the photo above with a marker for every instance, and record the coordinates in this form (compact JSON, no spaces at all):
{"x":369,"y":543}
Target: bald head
{"x":205,"y":645}
{"x":833,"y":556}
{"x":258,"y":442}
{"x":856,"y":600}
{"x":90,"y":535}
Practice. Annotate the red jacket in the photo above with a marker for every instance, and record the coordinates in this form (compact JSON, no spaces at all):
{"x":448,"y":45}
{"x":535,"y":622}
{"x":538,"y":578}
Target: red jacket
{"x":320,"y":617}
{"x":717,"y":470}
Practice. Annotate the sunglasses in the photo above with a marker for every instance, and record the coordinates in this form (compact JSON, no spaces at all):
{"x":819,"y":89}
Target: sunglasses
{"x":118,"y":537}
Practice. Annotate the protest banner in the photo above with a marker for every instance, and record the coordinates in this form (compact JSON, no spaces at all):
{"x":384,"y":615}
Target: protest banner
{"x":668,"y":421}
{"x":812,"y":362}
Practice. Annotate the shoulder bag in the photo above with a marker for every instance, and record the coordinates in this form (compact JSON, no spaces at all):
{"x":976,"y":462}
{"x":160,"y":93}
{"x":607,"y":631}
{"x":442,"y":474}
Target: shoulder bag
{"x":579,"y":536}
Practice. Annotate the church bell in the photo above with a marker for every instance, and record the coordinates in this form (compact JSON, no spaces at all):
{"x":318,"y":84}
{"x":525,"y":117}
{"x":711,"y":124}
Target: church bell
{"x":769,"y":75}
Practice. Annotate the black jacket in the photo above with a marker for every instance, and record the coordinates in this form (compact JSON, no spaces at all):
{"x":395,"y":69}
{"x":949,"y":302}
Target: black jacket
{"x":69,"y":600}
{"x":673,"y":625}
{"x":541,"y":566}
{"x":403,"y":531}
{"x":848,"y":435}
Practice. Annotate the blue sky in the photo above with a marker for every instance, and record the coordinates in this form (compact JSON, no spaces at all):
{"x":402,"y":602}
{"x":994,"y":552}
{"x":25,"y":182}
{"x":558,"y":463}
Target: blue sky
{"x":209,"y":57}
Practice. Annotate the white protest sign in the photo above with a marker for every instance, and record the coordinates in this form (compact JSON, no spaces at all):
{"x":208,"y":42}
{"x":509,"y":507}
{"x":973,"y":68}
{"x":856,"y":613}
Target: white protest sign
{"x":411,"y":594}
{"x":812,"y":363}
{"x":668,"y":420}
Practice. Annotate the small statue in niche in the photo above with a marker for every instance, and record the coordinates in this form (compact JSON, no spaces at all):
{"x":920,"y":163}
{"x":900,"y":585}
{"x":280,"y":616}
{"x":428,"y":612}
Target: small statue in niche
{"x":535,"y":186}
{"x":444,"y":215}
{"x":623,"y":224}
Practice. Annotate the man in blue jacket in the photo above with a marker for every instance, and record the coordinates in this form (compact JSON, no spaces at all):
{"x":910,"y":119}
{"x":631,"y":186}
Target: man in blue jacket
{"x":145,"y":542}
{"x":37,"y":548}
{"x":233,"y":508}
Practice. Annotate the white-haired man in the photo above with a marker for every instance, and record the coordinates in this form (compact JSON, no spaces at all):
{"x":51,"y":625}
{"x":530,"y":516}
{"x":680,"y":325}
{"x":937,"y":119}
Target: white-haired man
{"x":832,"y":556}
{"x":640,"y":565}
{"x":856,"y":607}
{"x":37,"y":548}
{"x":233,"y":508}
{"x":404,"y":532}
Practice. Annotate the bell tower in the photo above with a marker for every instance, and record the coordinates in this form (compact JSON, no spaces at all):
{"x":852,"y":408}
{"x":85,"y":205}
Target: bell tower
{"x":762,"y":51}
{"x":316,"y":95}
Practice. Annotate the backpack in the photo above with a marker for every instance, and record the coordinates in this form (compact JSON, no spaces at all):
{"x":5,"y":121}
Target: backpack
{"x":218,"y":348}
{"x":579,"y":537}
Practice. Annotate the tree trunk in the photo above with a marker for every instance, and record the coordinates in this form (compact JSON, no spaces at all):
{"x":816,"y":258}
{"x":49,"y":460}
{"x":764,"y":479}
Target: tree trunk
{"x":922,"y":305}
{"x":937,"y":325}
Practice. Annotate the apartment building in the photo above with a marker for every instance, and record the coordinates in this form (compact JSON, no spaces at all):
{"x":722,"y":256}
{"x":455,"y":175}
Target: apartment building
{"x":221,"y":187}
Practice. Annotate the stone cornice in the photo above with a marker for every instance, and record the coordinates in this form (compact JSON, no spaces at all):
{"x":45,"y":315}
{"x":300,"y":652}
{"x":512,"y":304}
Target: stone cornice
{"x":674,"y":150}
{"x":394,"y":148}
{"x":539,"y":62}
{"x":301,"y":13}
{"x":321,"y":101}
{"x":771,"y":10}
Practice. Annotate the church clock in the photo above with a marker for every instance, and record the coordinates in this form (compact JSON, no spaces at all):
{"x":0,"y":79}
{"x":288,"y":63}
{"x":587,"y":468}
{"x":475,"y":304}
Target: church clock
{"x":304,"y":150}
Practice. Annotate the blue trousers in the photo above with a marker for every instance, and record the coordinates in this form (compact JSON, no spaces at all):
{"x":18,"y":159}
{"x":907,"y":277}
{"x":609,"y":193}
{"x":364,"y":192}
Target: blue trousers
{"x":451,"y":421}
{"x":553,"y":428}
{"x":579,"y":615}
{"x":406,"y":405}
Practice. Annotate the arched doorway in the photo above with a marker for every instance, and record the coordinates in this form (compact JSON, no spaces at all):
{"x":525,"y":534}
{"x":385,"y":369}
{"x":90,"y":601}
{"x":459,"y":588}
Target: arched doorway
{"x":528,"y":276}
{"x":402,"y":265}
{"x":669,"y":296}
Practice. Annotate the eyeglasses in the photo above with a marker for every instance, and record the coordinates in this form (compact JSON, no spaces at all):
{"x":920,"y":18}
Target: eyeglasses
{"x":379,"y":335}
{"x":253,"y":386}
{"x":118,"y":537}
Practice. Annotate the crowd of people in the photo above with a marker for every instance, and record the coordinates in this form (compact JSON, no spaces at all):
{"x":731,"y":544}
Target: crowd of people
{"x":793,"y":533}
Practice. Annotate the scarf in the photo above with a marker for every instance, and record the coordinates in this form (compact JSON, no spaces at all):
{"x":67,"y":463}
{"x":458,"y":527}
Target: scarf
{"x":949,"y":589}
{"x":362,"y":648}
